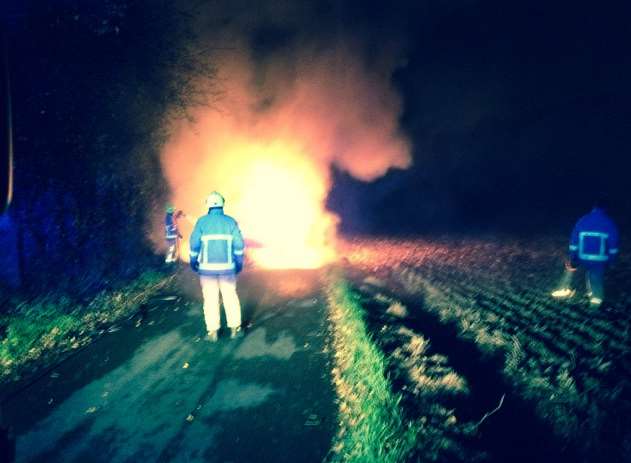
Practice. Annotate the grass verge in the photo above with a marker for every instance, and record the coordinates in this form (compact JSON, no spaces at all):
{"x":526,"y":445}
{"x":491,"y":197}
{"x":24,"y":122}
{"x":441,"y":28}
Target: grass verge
{"x":41,"y":330}
{"x":372,"y":427}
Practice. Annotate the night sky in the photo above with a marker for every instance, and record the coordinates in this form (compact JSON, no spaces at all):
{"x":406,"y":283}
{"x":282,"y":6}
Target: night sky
{"x":517,"y":112}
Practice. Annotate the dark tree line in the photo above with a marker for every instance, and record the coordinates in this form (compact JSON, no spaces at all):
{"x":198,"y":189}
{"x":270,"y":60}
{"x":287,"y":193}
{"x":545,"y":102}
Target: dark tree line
{"x":93,"y":82}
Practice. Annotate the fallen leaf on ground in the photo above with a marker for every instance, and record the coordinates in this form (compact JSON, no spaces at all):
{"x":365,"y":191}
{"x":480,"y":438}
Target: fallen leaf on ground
{"x":313,"y":420}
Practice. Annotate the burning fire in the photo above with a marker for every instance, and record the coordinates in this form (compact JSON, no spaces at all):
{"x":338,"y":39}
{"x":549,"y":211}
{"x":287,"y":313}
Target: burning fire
{"x":283,"y":208}
{"x":279,"y":201}
{"x":270,"y":152}
{"x":278,"y":198}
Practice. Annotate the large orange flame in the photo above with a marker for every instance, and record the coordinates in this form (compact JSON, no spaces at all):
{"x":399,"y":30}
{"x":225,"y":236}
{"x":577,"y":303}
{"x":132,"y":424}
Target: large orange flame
{"x":278,"y":197}
{"x":276,"y":192}
{"x":269,"y":151}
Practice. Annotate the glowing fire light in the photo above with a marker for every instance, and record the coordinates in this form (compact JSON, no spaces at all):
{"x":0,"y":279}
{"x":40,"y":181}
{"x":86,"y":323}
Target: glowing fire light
{"x":281,"y":206}
{"x":563,"y":293}
{"x":278,"y":199}
{"x":270,"y":151}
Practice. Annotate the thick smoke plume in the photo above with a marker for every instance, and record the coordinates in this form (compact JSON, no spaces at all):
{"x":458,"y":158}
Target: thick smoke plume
{"x":269,"y":143}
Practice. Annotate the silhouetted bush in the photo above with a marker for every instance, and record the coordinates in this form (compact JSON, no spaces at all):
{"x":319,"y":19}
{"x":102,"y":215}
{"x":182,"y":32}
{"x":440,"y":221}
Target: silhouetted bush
{"x":93,"y":82}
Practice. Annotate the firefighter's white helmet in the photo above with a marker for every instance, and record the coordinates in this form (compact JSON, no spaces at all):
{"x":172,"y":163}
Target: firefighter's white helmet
{"x":214,"y":200}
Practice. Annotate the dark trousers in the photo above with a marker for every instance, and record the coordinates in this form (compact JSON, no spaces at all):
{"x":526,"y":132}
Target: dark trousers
{"x":595,"y":278}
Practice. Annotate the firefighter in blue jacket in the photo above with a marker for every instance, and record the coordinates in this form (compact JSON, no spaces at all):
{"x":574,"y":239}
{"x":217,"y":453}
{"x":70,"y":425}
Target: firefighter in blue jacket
{"x":217,"y":255}
{"x":593,"y":246}
{"x":172,"y":233}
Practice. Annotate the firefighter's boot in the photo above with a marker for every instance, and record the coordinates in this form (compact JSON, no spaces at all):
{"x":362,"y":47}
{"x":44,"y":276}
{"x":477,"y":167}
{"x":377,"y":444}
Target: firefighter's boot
{"x":236,"y":332}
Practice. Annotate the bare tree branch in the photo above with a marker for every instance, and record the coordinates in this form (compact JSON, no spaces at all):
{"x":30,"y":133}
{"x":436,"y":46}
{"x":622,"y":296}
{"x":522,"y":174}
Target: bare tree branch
{"x":488,"y":414}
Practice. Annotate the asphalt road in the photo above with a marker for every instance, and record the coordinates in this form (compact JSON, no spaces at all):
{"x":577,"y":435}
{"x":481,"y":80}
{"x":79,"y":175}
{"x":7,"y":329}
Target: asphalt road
{"x":153,"y":389}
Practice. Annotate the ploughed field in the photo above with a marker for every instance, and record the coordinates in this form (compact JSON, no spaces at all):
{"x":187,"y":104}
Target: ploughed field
{"x":482,"y":354}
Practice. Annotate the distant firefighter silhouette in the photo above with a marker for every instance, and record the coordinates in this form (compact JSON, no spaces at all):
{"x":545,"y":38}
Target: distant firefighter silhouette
{"x":593,"y":247}
{"x":217,"y":255}
{"x":172,"y":234}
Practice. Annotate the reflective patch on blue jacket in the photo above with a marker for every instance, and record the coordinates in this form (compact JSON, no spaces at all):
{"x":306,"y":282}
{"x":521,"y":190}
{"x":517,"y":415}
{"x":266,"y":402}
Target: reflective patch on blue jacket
{"x":217,"y":244}
{"x":170,"y":227}
{"x":594,"y":238}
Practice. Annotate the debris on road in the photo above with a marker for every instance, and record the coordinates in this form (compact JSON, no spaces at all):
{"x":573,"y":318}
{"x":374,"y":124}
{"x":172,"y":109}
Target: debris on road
{"x":305,"y":304}
{"x":313,"y":420}
{"x":398,"y":310}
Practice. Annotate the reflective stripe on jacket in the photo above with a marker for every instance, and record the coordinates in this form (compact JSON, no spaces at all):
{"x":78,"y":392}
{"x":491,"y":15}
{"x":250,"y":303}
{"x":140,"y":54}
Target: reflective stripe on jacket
{"x":216,"y":243}
{"x":170,"y":227}
{"x":594,"y":238}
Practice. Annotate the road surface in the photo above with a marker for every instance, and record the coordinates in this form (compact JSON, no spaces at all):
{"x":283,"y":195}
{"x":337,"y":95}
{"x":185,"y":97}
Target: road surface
{"x":153,"y":389}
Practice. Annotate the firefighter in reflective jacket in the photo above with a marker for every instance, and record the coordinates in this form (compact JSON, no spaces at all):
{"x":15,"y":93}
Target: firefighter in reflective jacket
{"x":172,"y":233}
{"x":217,"y":255}
{"x":593,"y":246}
